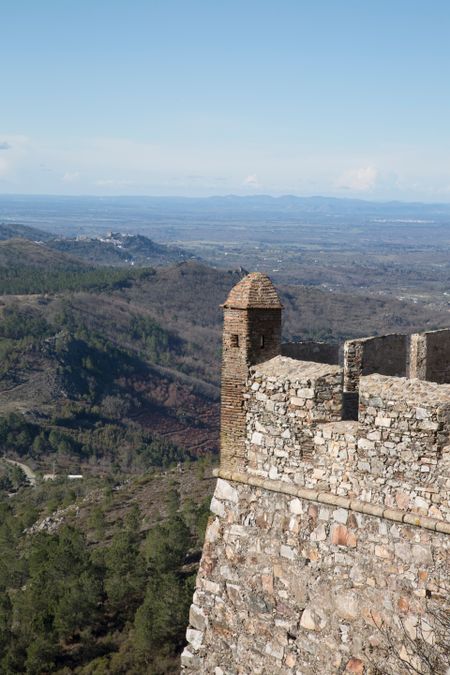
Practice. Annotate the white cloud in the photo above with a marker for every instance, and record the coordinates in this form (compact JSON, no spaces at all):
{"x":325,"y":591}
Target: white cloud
{"x":363,"y":179}
{"x":112,"y":182}
{"x":70,"y":176}
{"x":252,"y":181}
{"x":127,"y":166}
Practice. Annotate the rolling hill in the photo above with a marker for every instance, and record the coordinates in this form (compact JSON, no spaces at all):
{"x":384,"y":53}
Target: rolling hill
{"x":120,"y":249}
{"x":111,"y":249}
{"x":19,"y":254}
{"x":18,"y":231}
{"x":114,"y":367}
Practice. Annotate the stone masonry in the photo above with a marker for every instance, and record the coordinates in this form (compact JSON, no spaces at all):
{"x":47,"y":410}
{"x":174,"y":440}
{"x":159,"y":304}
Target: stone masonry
{"x":328,"y":547}
{"x":383,"y":354}
{"x":430,"y":356}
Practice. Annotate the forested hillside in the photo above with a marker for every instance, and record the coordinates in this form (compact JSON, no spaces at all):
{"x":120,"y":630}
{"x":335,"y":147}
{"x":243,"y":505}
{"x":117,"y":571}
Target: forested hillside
{"x":109,"y":249}
{"x":97,"y":576}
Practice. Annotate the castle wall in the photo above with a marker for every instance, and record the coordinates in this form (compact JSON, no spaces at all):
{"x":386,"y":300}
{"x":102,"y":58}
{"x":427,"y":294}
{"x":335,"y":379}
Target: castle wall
{"x":397,"y":454}
{"x":384,"y":354}
{"x":309,"y":350}
{"x":285,"y":399}
{"x":290,"y":586}
{"x":328,"y":549}
{"x":430,"y":356}
{"x":404,"y":444}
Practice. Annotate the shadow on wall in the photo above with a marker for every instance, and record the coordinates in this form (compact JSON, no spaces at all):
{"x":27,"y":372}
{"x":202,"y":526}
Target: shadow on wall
{"x":424,"y":356}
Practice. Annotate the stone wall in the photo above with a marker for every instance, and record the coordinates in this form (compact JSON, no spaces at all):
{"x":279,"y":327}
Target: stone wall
{"x":404,"y":444}
{"x":328,"y":549}
{"x":309,"y":350}
{"x":385,"y":355}
{"x":397,"y":454}
{"x":292,"y":586}
{"x":285,"y":399}
{"x":430,"y":356}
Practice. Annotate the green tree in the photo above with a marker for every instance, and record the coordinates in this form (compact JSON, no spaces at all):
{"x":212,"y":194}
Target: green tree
{"x":160,"y":621}
{"x":5,"y":619}
{"x":41,"y":654}
{"x":167,"y":544}
{"x":59,"y":600}
{"x":97,"y":521}
{"x":125,"y":573}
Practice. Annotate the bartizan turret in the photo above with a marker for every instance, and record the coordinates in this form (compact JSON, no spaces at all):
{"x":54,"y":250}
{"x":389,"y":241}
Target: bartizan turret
{"x":251,"y":335}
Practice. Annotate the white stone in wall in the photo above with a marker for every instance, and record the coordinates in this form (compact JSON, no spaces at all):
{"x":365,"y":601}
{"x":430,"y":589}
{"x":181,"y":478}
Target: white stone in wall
{"x":257,"y":438}
{"x":225,"y":491}
{"x":287,"y":552}
{"x":273,"y":473}
{"x":217,"y":507}
{"x":194,"y":637}
{"x":295,"y":506}
{"x":340,"y":516}
{"x":307,"y":620}
{"x":197,"y":618}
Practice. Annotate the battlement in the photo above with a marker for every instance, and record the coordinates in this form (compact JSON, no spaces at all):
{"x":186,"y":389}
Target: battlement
{"x":397,"y":453}
{"x":361,"y":429}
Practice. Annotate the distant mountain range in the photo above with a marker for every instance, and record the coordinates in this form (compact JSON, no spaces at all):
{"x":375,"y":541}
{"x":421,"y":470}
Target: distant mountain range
{"x":127,"y":210}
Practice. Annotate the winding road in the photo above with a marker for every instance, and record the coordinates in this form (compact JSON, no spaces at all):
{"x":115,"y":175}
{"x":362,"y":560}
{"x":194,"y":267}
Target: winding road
{"x":29,"y":473}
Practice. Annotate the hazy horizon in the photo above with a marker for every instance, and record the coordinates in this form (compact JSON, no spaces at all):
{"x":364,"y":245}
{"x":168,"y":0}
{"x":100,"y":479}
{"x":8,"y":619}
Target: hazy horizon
{"x":261,"y":196}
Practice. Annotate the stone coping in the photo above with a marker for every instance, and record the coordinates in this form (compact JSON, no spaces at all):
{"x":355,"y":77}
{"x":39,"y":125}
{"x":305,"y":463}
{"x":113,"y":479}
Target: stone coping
{"x":335,"y":500}
{"x":294,"y":370}
{"x":411,"y":392}
{"x":373,"y":338}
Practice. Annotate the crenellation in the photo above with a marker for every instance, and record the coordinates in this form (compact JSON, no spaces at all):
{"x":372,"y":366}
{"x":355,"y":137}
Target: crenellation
{"x":430,"y":356}
{"x":383,"y":354}
{"x":328,"y":536}
{"x":396,"y":454}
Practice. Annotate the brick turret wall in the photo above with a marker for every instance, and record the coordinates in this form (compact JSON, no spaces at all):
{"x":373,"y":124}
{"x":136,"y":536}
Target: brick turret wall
{"x":251,"y":335}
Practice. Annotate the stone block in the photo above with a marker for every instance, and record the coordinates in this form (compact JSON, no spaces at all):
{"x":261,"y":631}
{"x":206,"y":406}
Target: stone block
{"x":195,"y":638}
{"x":225,"y":491}
{"x":342,"y":536}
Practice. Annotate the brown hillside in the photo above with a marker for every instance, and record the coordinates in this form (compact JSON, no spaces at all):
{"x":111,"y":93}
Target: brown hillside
{"x":23,"y":253}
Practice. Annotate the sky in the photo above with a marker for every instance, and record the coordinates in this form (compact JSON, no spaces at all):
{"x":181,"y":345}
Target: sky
{"x":204,"y":97}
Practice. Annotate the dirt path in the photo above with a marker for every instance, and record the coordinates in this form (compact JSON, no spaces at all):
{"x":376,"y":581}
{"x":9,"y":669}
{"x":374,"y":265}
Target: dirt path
{"x":29,"y":473}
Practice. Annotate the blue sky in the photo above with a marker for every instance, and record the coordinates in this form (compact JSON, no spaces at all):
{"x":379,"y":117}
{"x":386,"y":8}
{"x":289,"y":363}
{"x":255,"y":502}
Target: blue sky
{"x":192,"y":97}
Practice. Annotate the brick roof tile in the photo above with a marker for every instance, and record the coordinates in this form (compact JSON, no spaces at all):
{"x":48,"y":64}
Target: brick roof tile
{"x":255,"y":291}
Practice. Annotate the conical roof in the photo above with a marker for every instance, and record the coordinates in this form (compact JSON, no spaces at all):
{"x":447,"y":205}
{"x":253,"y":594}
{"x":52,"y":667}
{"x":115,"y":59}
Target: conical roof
{"x":255,"y":291}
